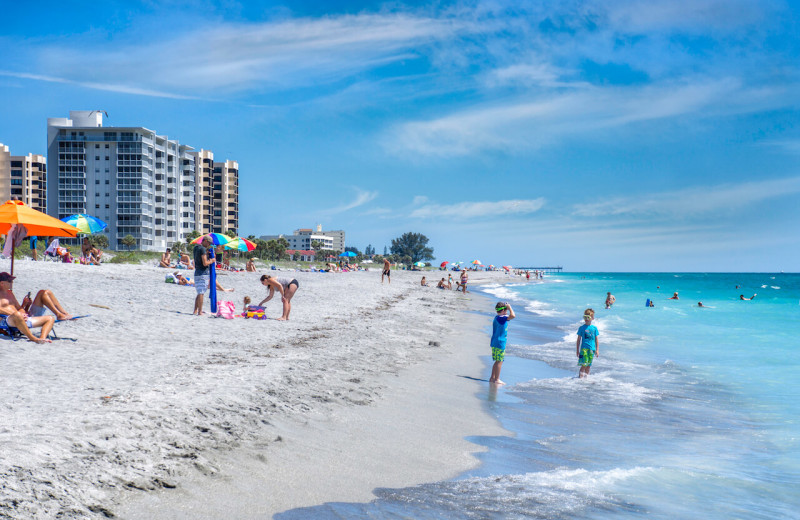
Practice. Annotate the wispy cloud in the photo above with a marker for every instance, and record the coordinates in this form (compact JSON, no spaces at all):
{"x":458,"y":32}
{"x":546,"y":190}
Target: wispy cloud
{"x":791,"y":146}
{"x":362,"y":197}
{"x":694,"y":201}
{"x":124,"y":89}
{"x":528,"y":123}
{"x":229,"y":57}
{"x":475,"y":209}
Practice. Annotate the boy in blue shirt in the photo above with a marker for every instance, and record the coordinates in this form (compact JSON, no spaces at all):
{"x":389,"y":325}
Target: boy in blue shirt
{"x":588,"y":345}
{"x":498,"y":343}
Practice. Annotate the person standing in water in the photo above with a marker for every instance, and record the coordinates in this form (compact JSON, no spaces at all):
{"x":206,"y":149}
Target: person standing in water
{"x":588,"y":344}
{"x":499,"y":336}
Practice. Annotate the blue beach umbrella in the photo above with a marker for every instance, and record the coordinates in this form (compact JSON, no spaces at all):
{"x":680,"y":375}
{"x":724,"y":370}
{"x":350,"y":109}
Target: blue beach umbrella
{"x":348,"y":253}
{"x":86,"y":223}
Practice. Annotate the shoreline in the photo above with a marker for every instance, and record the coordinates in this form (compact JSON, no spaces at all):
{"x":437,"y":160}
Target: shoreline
{"x":415,"y":433}
{"x":141,"y":396}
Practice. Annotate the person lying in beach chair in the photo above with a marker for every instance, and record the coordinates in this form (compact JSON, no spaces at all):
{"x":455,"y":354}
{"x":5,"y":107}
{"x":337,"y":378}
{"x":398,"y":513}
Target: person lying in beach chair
{"x":13,"y":318}
{"x":51,"y":253}
{"x":44,"y":300}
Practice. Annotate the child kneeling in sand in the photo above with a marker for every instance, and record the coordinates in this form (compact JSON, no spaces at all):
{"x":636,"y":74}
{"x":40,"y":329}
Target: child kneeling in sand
{"x":588,"y":344}
{"x":498,"y":342}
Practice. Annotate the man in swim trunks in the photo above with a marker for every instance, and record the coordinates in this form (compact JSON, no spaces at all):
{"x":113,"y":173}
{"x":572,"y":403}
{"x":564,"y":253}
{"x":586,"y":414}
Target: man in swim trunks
{"x":387,"y":270}
{"x":33,"y":243}
{"x":17,"y":317}
{"x":287,"y":287}
{"x":610,"y":300}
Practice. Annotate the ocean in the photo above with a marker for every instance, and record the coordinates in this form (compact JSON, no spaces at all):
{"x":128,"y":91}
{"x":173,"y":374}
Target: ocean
{"x":689,"y":412}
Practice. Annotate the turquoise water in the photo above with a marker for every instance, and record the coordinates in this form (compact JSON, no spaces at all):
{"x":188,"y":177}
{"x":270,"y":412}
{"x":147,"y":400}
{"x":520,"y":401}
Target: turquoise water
{"x":689,"y":412}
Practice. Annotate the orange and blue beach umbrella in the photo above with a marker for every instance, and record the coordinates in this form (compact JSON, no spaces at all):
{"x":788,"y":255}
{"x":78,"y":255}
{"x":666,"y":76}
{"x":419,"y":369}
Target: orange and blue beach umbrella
{"x":86,"y":223}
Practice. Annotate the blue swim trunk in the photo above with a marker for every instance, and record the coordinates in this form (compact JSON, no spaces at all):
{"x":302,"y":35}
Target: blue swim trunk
{"x":498,"y":354}
{"x":587,"y":356}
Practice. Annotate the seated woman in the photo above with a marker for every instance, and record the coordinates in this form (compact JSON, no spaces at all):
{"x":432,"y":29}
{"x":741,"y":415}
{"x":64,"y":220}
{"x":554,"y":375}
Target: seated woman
{"x":166,"y":258}
{"x":185,"y":261}
{"x":424,"y":282}
{"x":86,"y":251}
{"x":251,"y":266}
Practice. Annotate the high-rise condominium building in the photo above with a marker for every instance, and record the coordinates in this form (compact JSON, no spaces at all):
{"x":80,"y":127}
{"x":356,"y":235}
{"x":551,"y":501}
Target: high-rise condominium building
{"x":140,"y":183}
{"x":218,"y":194}
{"x":23,"y":177}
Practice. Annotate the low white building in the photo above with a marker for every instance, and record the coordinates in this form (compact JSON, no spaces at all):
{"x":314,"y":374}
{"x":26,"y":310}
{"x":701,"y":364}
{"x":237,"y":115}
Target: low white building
{"x":301,"y":239}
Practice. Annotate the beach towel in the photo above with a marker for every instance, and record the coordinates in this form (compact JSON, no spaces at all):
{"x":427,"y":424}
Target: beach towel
{"x":225,"y":310}
{"x":14,"y":236}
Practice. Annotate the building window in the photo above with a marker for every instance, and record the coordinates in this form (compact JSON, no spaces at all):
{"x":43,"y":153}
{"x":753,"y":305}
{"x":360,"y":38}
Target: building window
{"x":106,"y":206}
{"x":106,"y":181}
{"x":97,"y":206}
{"x":97,"y":146}
{"x":96,"y":157}
{"x":97,"y":181}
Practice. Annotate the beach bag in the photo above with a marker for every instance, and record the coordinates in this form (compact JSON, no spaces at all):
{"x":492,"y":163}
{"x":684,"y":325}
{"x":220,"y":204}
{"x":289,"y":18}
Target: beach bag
{"x":255,"y":312}
{"x":226,"y":310}
{"x":169,"y":278}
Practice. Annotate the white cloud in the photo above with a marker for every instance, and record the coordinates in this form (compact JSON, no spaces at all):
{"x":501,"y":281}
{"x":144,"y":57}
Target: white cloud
{"x":791,"y":146}
{"x":530,"y":123}
{"x":238,"y":57}
{"x":476,"y":209}
{"x":694,"y":201}
{"x":124,"y":89}
{"x":362,"y":197}
{"x":685,"y":15}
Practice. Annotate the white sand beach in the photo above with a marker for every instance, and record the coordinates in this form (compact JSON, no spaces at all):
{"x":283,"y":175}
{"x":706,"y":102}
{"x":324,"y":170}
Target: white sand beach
{"x":142,"y":407}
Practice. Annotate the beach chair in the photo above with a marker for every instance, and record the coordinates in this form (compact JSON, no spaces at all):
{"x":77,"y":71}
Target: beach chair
{"x":14,"y":334}
{"x":51,"y":253}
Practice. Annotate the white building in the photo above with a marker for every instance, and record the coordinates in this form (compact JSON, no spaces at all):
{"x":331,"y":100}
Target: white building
{"x":304,"y":237}
{"x":140,"y":183}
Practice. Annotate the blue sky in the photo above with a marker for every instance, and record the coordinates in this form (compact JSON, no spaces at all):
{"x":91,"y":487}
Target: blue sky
{"x":645,"y":135}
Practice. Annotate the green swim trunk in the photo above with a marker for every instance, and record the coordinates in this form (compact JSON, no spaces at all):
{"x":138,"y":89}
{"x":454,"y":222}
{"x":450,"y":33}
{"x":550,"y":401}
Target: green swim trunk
{"x":587,"y":356}
{"x":498,"y":354}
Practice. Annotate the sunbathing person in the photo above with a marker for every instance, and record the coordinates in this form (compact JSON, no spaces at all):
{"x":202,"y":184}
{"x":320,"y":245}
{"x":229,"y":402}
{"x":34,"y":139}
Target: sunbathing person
{"x":221,"y":288}
{"x":251,"y":266}
{"x":181,"y":280}
{"x":17,"y":317}
{"x":166,"y":258}
{"x":45,"y":299}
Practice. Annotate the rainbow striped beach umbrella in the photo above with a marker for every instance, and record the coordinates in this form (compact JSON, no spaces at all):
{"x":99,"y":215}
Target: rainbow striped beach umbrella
{"x":217,"y":239}
{"x":240,"y":244}
{"x":86,"y":223}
